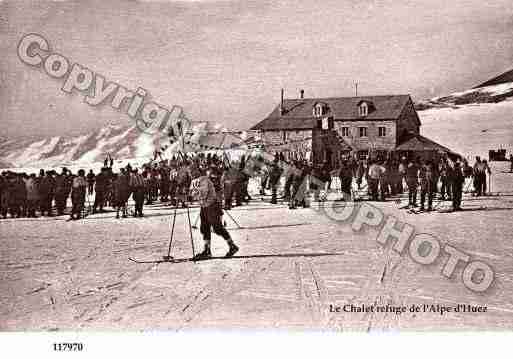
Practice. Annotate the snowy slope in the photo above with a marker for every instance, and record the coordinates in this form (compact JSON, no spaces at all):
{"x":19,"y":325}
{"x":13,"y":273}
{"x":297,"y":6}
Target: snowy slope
{"x":126,"y":143}
{"x":471,"y":122}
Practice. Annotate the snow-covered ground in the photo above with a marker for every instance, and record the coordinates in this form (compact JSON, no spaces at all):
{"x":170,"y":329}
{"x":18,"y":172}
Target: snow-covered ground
{"x":59,"y":275}
{"x":471,"y":130}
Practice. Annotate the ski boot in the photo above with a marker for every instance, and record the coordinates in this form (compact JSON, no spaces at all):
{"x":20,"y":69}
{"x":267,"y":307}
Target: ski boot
{"x":206,"y":254}
{"x":233,"y":249}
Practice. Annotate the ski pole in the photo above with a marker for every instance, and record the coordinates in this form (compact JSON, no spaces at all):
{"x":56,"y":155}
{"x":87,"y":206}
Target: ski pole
{"x":190,"y":232}
{"x":234,"y":221}
{"x":168,"y":257}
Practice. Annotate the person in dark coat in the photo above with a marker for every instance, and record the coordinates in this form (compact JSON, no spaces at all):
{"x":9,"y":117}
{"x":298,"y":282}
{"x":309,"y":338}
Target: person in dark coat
{"x":32,"y":195}
{"x":229,"y":179}
{"x":17,"y":196}
{"x":78,"y":194}
{"x":427,"y":185}
{"x":46,"y":190}
{"x":412,"y":181}
{"x":101,"y":188}
{"x":4,"y":194}
{"x":317,"y":183}
{"x":122,"y":192}
{"x":183,"y":182}
{"x":138,"y":188}
{"x":298,"y":195}
{"x":164,"y":183}
{"x":90,"y":182}
{"x":274,"y":179}
{"x":457,"y":180}
{"x":61,"y":192}
{"x":346,"y":179}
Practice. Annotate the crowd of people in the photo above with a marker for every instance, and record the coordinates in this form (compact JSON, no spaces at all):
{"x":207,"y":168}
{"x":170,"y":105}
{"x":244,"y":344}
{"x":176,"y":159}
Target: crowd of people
{"x":383,"y":178}
{"x":169,"y":181}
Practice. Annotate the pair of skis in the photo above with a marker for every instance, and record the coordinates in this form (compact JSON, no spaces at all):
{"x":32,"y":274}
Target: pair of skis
{"x":176,"y":260}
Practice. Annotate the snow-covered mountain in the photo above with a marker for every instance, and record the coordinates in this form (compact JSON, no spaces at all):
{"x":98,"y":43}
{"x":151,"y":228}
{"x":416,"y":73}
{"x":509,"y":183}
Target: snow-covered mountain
{"x":125,"y":144}
{"x":471,"y":122}
{"x":121,"y":142}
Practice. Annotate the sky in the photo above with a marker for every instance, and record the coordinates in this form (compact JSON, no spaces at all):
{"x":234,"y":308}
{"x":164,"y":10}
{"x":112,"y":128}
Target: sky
{"x":225,"y":61}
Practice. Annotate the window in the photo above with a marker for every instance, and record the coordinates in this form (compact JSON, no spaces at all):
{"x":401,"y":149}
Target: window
{"x":345,"y":131}
{"x":362,"y":131}
{"x":382,"y":131}
{"x":364,"y":109}
{"x":320,"y":109}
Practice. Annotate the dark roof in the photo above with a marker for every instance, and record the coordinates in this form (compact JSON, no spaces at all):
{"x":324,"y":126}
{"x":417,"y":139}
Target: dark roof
{"x":298,"y":112}
{"x":416,"y":142}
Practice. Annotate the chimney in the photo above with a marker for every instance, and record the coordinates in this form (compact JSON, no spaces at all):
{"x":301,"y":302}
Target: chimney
{"x":301,"y":93}
{"x":282,"y":109}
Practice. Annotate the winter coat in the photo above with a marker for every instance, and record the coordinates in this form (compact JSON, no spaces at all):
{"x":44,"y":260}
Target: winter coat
{"x":32,"y":190}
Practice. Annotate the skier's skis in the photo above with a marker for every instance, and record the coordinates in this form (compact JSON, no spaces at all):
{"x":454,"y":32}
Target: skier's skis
{"x":419,"y":211}
{"x":178,"y":260}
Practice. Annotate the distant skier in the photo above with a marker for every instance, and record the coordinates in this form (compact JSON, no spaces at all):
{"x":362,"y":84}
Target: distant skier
{"x":90,"y":182}
{"x":457,"y":180}
{"x":78,"y":193}
{"x":412,"y":181}
{"x":210,"y":215}
{"x":427,"y":185}
{"x":137,"y":184}
{"x":274,"y":179}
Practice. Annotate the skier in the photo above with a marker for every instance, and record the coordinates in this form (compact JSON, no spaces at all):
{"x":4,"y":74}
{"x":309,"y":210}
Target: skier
{"x":274,"y":179}
{"x":346,"y":179}
{"x":457,"y":181}
{"x":46,"y":192}
{"x":122,"y":192}
{"x":210,"y":215}
{"x":90,"y":182}
{"x":427,"y":185}
{"x":376,"y":172}
{"x":299,"y":194}
{"x":61,"y":192}
{"x":102,"y":180}
{"x":138,"y":186}
{"x":228,"y":179}
{"x":485,"y":171}
{"x":32,"y":195}
{"x":78,"y":193}
{"x":412,"y":181}
{"x":445,"y":179}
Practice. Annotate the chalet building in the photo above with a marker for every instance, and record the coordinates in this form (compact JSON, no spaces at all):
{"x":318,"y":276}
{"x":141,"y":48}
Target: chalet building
{"x":336,"y":126}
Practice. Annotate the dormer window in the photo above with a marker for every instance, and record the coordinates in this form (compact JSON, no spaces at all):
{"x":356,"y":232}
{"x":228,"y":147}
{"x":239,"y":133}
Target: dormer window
{"x":363,"y":109}
{"x":320,"y":109}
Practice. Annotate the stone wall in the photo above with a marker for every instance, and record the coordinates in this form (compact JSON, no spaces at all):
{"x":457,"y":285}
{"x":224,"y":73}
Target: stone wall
{"x":372,"y":141}
{"x":293,"y":139}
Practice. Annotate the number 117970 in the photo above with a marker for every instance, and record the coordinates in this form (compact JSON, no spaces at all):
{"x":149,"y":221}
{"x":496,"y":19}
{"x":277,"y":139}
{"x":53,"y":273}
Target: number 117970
{"x":68,"y":347}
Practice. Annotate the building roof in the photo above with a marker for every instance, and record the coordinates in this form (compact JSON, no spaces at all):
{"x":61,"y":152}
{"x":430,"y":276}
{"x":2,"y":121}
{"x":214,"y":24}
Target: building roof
{"x":298,"y":112}
{"x":416,"y":142}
